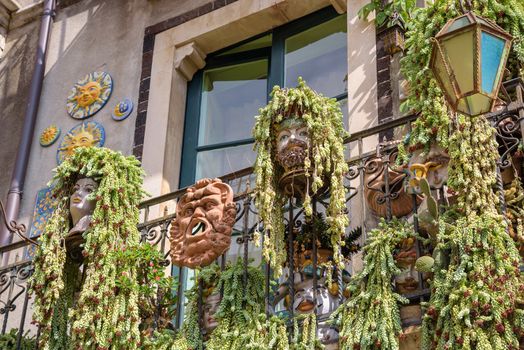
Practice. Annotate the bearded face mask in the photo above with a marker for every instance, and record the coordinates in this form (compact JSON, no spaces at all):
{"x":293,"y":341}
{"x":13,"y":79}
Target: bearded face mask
{"x":292,"y":143}
{"x":201,"y":232}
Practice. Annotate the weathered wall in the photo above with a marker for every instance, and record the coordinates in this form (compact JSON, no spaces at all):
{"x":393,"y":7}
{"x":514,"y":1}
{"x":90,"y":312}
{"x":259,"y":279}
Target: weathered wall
{"x":16,"y":68}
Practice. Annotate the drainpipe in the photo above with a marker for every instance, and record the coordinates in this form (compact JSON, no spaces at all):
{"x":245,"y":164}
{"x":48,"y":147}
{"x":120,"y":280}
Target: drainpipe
{"x":24,"y":149}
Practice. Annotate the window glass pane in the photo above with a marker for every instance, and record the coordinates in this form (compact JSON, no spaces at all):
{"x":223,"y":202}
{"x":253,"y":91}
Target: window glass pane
{"x":231,"y":98}
{"x":319,"y":55}
{"x":259,"y":43}
{"x":223,"y":161}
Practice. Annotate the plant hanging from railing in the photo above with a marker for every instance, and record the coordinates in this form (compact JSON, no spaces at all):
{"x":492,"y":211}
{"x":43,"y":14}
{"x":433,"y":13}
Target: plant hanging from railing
{"x":370,"y":318}
{"x":476,"y":300}
{"x":241,"y":321}
{"x":105,"y":315}
{"x":300,"y":153}
{"x":425,"y":96}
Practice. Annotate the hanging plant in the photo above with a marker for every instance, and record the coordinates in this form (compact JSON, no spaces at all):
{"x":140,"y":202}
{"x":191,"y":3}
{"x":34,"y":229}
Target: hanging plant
{"x":306,"y":338}
{"x":241,"y":321}
{"x":476,"y":300}
{"x":425,"y":96}
{"x":105,"y":315}
{"x":322,"y":161}
{"x":8,"y":341}
{"x":370,"y":318}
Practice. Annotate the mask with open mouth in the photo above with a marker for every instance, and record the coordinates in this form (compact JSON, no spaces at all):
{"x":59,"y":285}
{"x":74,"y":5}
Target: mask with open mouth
{"x":201,"y":232}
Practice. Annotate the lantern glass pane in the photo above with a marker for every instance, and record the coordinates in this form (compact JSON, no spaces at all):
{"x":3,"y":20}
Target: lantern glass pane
{"x":479,"y":104}
{"x":459,"y":23}
{"x":460,"y":53}
{"x":444,"y":78}
{"x":492,"y":50}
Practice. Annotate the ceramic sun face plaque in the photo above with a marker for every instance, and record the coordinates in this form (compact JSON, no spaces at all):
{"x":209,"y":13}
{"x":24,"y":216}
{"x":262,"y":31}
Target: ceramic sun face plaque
{"x":49,"y":135}
{"x":85,"y":134}
{"x":201,"y":231}
{"x":122,"y":110}
{"x":89,"y":95}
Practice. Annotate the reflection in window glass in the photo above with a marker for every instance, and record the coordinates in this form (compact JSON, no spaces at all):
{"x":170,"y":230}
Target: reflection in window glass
{"x":223,"y":161}
{"x":319,"y":55}
{"x":231,"y":98}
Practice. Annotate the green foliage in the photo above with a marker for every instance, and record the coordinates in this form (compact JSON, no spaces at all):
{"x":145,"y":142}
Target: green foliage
{"x":8,"y":341}
{"x":389,"y":13}
{"x":476,"y":300}
{"x":241,"y":322}
{"x":105,"y":316}
{"x":425,"y":96}
{"x":166,"y":340}
{"x":324,"y":164}
{"x":306,"y":338}
{"x":208,"y":277}
{"x":370,"y":318}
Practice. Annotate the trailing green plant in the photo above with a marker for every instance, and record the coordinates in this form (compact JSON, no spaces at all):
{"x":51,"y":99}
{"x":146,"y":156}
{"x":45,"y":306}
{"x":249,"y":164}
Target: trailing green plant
{"x":319,"y":225}
{"x":476,"y":300}
{"x":370,"y":318}
{"x":425,"y":96}
{"x":157,"y":292}
{"x":191,"y":329}
{"x":324,"y":165}
{"x":105,"y":315}
{"x":242,"y":323}
{"x":389,"y":13}
{"x":8,"y":341}
{"x":306,"y":337}
{"x":166,"y":340}
{"x":514,"y":197}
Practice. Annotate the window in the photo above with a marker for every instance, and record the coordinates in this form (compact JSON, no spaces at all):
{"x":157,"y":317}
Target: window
{"x":224,"y":97}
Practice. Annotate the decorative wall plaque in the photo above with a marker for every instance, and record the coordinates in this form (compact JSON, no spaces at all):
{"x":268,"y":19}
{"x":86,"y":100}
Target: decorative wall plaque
{"x":122,"y":110}
{"x":45,"y":204}
{"x":89,"y":95}
{"x":49,"y":135}
{"x":85,"y":134}
{"x":201,"y":232}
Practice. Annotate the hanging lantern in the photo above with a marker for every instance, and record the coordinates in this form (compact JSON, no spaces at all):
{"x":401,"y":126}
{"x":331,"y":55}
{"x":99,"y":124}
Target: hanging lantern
{"x":468,"y":60}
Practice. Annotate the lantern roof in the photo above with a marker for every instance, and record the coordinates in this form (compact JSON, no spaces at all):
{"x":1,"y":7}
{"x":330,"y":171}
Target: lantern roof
{"x":468,"y":20}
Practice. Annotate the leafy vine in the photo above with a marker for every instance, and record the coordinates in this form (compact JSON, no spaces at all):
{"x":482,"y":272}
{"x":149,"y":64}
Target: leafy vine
{"x":370,"y":318}
{"x":324,"y":164}
{"x":105,"y":315}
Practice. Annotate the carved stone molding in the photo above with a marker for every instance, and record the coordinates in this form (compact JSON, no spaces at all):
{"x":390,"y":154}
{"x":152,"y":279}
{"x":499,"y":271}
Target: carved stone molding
{"x":188,"y":59}
{"x":341,"y":6}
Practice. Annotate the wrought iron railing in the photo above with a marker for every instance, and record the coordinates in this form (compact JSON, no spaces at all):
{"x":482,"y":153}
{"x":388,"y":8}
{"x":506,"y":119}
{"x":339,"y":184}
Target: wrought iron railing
{"x":370,"y":156}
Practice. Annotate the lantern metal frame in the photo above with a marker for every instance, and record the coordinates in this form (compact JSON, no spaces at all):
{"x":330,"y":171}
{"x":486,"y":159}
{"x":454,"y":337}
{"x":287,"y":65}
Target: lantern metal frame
{"x":478,"y":24}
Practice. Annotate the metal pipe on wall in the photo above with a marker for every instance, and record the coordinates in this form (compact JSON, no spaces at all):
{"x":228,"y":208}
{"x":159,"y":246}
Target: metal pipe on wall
{"x":24,"y":149}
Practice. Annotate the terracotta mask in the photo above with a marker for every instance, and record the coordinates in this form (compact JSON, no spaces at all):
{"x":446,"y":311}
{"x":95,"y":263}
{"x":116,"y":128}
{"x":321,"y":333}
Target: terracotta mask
{"x":292,"y":143}
{"x":201,"y":232}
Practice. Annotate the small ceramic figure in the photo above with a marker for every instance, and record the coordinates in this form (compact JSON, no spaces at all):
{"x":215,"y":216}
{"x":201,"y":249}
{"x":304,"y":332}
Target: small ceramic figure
{"x":211,"y":303}
{"x":201,"y":232}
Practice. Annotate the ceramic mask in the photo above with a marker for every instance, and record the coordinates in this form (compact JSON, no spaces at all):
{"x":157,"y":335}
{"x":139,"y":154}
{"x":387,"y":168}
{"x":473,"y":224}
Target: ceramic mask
{"x":433,"y":166}
{"x":201,"y":232}
{"x":80,"y":205}
{"x":328,"y":336}
{"x":211,"y":304}
{"x":292,"y":143}
{"x":304,"y":301}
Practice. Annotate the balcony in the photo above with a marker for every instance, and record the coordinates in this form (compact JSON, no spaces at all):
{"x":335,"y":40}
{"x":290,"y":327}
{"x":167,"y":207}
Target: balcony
{"x":375,"y":188}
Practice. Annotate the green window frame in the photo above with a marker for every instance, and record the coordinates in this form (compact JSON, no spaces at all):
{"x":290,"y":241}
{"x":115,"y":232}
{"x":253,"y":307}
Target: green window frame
{"x":275,"y":56}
